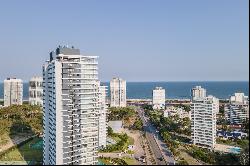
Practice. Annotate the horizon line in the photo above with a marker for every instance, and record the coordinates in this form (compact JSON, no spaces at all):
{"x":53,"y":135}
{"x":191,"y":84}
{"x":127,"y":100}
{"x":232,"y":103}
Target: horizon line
{"x":171,"y":81}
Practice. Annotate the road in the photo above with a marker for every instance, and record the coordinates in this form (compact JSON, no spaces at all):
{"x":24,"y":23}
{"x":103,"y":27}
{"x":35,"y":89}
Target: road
{"x":158,"y":146}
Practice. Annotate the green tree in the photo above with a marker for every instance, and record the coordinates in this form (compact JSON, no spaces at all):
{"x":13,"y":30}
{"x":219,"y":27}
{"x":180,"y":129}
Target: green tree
{"x":244,"y":155}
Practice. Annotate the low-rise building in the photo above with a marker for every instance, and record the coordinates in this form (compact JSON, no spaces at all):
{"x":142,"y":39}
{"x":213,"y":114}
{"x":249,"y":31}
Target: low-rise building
{"x":171,"y":111}
{"x":231,"y":135}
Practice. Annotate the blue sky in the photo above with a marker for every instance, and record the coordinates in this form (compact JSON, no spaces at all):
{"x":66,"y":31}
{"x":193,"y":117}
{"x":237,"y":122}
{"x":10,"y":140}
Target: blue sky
{"x":138,"y":40}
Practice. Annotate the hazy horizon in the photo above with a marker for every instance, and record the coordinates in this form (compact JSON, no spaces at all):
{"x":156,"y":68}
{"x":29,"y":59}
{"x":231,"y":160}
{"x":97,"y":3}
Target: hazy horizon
{"x":139,"y":41}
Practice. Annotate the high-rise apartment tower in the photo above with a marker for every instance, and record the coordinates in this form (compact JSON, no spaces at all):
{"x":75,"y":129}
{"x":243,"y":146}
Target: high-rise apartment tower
{"x":13,"y":91}
{"x":71,"y":109}
{"x":36,"y":91}
{"x":118,"y":92}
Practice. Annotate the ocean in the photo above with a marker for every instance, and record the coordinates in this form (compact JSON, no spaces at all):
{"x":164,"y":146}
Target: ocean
{"x":174,"y":90}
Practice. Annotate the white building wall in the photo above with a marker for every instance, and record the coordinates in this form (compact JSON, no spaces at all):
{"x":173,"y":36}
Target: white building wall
{"x":236,"y":114}
{"x":239,"y":98}
{"x":71,"y":110}
{"x":103,"y":116}
{"x":118,"y":93}
{"x":13,"y":91}
{"x":203,"y":122}
{"x":237,"y":111}
{"x":198,"y":92}
{"x":36,"y":91}
{"x":159,"y":98}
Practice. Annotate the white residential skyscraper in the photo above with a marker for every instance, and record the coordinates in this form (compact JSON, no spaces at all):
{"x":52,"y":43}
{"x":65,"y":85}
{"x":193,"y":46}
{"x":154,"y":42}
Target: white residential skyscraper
{"x":36,"y":91}
{"x":103,"y":116}
{"x":13,"y":91}
{"x":203,"y":121}
{"x":118,"y":93}
{"x":159,"y":98}
{"x":198,"y":92}
{"x":71,"y":111}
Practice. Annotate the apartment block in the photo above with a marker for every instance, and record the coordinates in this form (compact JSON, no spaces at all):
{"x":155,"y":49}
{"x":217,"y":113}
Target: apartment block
{"x":13,"y":91}
{"x":71,"y":109}
{"x":203,"y":121}
{"x":118,"y":93}
{"x":103,"y":116}
{"x":159,"y":98}
{"x":237,"y":111}
{"x":36,"y":91}
{"x":198,"y":92}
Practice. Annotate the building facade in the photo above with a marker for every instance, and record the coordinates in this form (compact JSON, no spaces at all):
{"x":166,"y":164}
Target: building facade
{"x":36,"y":91}
{"x":13,"y":91}
{"x":103,"y":116}
{"x":71,"y":111}
{"x":198,"y":92}
{"x":118,"y":93}
{"x":237,"y":111}
{"x":159,"y":98}
{"x":203,"y":121}
{"x":239,"y":98}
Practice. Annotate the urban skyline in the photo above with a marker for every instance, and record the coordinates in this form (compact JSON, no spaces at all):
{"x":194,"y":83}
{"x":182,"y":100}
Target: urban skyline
{"x":156,"y":41}
{"x":112,"y":82}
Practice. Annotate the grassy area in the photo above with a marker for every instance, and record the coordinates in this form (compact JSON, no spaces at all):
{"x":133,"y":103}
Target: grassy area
{"x":129,"y":161}
{"x":112,"y":161}
{"x":115,"y":161}
{"x":131,"y":141}
{"x":24,"y":153}
{"x":130,"y":152}
{"x":189,"y":159}
{"x":116,"y":138}
{"x":4,"y":139}
{"x":241,"y":143}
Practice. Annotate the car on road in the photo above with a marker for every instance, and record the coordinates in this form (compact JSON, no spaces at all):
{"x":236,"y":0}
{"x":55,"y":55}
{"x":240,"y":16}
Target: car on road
{"x":160,"y":158}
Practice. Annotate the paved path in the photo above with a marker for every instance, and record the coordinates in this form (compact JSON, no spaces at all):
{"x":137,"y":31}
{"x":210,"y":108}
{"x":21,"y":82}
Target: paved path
{"x":138,"y":147}
{"x":114,"y":155}
{"x":138,"y":150}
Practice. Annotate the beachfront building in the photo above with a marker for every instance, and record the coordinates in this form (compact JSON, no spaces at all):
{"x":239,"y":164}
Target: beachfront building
{"x":198,"y":92}
{"x":103,"y":116}
{"x":237,"y":111}
{"x":158,"y":98}
{"x":203,"y":121}
{"x":239,"y":98}
{"x":36,"y":91}
{"x":118,"y":93}
{"x":13,"y":91}
{"x":71,"y":109}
